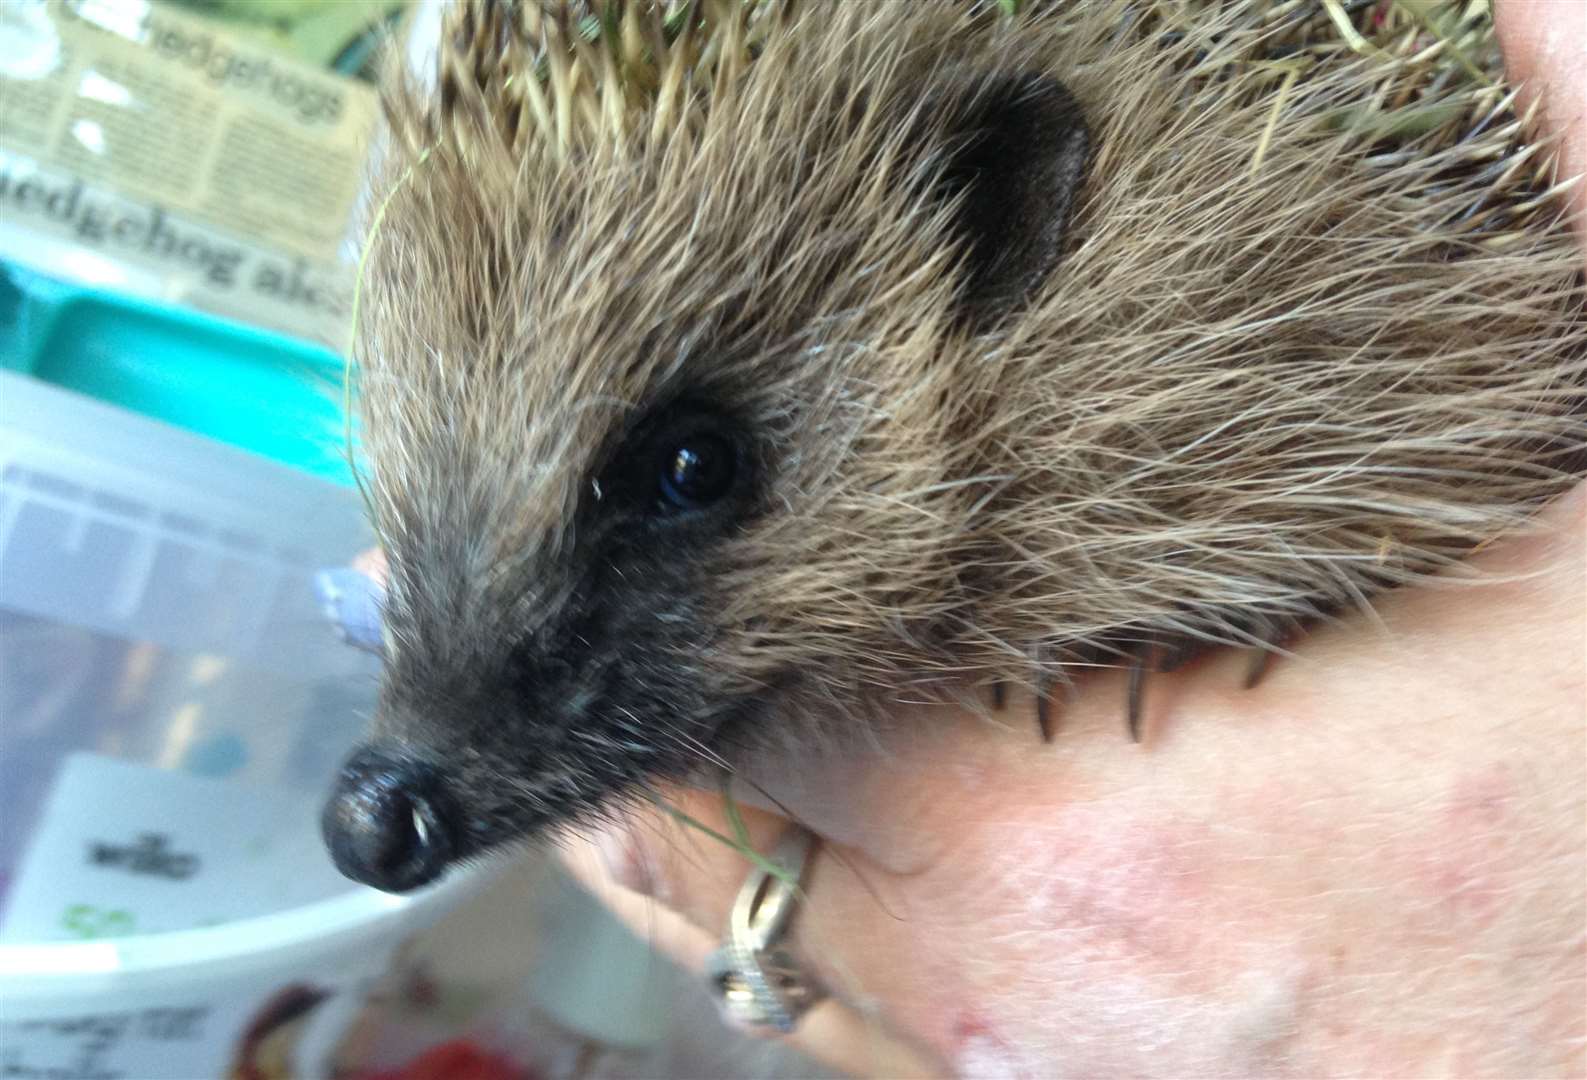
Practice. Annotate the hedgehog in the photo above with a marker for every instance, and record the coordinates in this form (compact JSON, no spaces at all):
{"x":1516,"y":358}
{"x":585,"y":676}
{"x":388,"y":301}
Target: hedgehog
{"x":728,"y":370}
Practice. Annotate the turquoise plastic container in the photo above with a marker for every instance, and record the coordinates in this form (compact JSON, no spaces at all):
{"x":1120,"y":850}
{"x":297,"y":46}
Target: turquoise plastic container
{"x":263,"y":392}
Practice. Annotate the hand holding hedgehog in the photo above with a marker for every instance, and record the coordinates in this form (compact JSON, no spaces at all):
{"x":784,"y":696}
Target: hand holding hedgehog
{"x":1371,"y":865}
{"x":722,"y":374}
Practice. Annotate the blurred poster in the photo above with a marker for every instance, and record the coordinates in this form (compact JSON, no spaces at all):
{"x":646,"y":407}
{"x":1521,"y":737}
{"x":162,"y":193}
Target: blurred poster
{"x":210,"y":153}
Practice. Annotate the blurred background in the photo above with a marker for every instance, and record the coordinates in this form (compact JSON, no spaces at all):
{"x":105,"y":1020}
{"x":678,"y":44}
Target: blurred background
{"x":187,"y":640}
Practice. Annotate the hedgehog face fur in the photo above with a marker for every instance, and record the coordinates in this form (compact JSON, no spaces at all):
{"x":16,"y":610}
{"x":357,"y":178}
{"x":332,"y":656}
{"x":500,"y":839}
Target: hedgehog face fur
{"x":718,"y":380}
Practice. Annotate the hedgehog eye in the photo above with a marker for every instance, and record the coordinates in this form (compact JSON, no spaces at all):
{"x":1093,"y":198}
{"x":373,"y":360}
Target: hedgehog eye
{"x":697,"y":470}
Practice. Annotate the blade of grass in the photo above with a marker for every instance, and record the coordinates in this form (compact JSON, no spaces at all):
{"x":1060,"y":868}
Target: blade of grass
{"x":736,"y":819}
{"x":1421,"y":12}
{"x":742,"y":848}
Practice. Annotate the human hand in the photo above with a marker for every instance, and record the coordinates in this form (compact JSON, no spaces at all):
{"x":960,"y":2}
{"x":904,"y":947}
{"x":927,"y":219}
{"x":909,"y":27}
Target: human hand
{"x":1371,"y":864}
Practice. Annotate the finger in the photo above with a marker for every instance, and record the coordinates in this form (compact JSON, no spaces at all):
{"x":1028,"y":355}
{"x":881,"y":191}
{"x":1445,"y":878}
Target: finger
{"x":665,"y":856}
{"x":1545,"y":49}
{"x":373,"y":564}
{"x":673,"y":884}
{"x":832,"y":1032}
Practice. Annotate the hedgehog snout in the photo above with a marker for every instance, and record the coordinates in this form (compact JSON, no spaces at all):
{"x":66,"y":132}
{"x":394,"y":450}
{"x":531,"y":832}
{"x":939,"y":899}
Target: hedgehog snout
{"x":390,"y":822}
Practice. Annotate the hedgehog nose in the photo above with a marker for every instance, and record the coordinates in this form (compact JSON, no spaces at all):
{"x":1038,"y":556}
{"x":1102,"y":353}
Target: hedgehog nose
{"x":389,"y":823}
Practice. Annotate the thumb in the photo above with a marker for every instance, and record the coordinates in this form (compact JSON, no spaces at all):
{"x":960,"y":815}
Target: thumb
{"x":1545,"y":52}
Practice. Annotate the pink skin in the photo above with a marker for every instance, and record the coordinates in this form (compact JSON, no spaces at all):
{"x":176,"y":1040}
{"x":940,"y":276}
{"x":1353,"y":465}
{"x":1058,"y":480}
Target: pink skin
{"x":372,"y":564}
{"x":1543,"y":42}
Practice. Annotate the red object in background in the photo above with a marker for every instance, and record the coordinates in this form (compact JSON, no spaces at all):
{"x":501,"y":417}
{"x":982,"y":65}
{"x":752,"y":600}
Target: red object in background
{"x":459,"y":1059}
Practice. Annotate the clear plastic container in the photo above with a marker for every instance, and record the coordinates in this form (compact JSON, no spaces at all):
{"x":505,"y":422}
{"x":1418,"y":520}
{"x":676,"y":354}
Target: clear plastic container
{"x":173,"y":703}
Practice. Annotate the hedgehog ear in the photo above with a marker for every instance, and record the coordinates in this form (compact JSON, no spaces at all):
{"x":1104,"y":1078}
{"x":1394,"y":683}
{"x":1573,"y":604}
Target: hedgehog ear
{"x":1019,"y":158}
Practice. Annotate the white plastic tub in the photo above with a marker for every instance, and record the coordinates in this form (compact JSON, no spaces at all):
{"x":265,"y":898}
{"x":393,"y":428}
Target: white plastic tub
{"x":173,"y":704}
